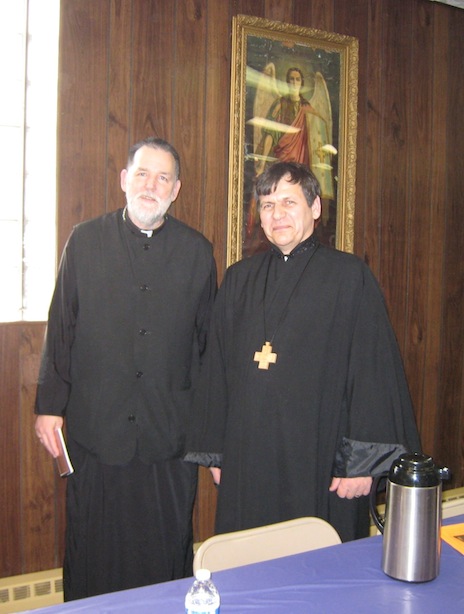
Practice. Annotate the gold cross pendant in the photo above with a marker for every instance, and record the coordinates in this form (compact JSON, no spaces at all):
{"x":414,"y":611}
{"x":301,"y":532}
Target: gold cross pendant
{"x":265,"y":357}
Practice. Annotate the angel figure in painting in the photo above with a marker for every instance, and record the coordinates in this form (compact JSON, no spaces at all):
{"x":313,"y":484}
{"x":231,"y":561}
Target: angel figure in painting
{"x":267,"y":92}
{"x":291,"y":128}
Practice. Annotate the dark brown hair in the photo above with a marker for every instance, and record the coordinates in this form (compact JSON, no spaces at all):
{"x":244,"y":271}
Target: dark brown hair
{"x":294,"y":172}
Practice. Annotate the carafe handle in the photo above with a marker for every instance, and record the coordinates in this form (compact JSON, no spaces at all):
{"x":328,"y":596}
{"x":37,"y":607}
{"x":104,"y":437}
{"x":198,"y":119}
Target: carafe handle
{"x":378,"y":521}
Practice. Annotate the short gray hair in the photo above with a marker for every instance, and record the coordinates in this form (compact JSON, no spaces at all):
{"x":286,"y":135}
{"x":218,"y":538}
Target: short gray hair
{"x":155,"y":143}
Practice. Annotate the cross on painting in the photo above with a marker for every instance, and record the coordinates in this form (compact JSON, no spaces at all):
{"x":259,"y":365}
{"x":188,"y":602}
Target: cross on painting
{"x":265,"y":357}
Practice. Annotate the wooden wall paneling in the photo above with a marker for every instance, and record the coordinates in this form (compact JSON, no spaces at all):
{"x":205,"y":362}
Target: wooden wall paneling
{"x":322,"y":15}
{"x":452,"y":411}
{"x":189,"y":107}
{"x":11,"y":538}
{"x":368,"y":219}
{"x":317,"y":14}
{"x":152,"y":86}
{"x":252,"y":8}
{"x":352,"y":19}
{"x":396,"y":197}
{"x":276,"y":10}
{"x":419,"y":152}
{"x":214,"y":195}
{"x":119,"y":98}
{"x":456,"y":262}
{"x":153,"y":70}
{"x":38,"y":471}
{"x":82,"y":131}
{"x":432,"y":374}
{"x":302,"y":15}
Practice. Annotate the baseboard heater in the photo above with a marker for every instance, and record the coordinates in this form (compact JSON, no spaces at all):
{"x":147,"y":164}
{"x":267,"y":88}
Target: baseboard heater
{"x":31,"y":590}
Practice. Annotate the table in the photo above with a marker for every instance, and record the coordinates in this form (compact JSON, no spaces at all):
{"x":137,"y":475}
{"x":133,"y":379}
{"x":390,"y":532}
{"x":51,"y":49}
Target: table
{"x":346,"y":578}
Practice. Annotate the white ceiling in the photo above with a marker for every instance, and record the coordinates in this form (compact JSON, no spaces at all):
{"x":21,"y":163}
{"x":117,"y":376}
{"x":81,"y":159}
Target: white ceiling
{"x":458,"y":3}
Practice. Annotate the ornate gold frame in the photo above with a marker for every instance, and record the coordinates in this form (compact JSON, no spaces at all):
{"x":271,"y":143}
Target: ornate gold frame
{"x":335,"y":50}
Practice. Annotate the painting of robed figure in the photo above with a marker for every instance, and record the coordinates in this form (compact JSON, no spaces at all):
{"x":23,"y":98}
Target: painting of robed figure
{"x":292,"y":128}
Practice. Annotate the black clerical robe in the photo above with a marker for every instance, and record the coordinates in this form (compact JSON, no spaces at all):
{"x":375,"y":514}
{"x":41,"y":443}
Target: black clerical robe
{"x":127,"y":327}
{"x":335,"y":402}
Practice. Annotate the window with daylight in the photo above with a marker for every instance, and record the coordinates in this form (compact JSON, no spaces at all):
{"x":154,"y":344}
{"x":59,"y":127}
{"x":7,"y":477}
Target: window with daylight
{"x":29,"y":31}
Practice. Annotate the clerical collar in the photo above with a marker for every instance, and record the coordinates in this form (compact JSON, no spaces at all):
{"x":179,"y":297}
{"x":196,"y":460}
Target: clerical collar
{"x":139,"y":231}
{"x":301,"y":248}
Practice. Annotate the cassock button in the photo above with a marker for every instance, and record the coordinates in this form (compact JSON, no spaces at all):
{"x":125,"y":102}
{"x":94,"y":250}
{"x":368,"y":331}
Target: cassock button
{"x":146,"y":246}
{"x":144,"y":287}
{"x":131,"y":418}
{"x":143,"y":332}
{"x":139,"y":373}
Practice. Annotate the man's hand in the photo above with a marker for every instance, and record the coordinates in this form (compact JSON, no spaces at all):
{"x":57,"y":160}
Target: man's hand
{"x":216,"y":473}
{"x":45,"y":427}
{"x":349,"y":488}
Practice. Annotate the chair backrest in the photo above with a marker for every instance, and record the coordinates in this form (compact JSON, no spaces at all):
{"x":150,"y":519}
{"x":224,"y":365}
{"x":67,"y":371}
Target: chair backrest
{"x":264,"y":543}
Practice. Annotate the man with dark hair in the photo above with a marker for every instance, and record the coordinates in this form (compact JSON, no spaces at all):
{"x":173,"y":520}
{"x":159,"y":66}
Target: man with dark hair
{"x":303,"y":396}
{"x":127,"y":327}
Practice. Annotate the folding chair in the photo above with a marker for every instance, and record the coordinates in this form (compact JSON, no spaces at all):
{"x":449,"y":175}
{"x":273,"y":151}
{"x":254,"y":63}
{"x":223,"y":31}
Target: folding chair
{"x":264,"y":543}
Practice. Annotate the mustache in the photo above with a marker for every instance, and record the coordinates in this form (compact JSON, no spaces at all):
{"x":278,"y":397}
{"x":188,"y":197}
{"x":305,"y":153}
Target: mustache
{"x":148,"y":195}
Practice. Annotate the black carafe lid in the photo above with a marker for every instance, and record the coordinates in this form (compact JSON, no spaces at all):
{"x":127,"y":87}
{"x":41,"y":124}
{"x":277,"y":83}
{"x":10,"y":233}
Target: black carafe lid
{"x":417,"y":470}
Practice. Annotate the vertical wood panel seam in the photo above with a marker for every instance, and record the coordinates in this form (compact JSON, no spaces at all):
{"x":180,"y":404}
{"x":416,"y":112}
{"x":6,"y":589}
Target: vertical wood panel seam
{"x":131,"y":75}
{"x":442,"y":407}
{"x":108,"y":98}
{"x":365,"y":114}
{"x":409,"y":121}
{"x":22,"y":464}
{"x":381,"y":138}
{"x":174,"y":81}
{"x":421,"y":424}
{"x":203,"y":126}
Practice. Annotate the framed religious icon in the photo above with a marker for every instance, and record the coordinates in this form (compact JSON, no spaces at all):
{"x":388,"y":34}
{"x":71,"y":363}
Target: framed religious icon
{"x":293,"y":97}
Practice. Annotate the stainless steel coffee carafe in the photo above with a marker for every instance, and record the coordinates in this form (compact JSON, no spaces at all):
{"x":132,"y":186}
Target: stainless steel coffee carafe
{"x":411,"y":529}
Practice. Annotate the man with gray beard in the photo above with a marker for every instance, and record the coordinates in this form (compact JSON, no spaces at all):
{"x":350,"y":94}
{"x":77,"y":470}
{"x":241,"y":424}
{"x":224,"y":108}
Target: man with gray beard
{"x":127,"y":328}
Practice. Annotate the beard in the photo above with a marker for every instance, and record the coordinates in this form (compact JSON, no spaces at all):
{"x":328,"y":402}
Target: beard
{"x":147,"y":214}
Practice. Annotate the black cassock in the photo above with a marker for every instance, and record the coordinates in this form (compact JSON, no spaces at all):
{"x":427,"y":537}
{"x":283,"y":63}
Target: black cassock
{"x":127,"y":326}
{"x":335,"y":402}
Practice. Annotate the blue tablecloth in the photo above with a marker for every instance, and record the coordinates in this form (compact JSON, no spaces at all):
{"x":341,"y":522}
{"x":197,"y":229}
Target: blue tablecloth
{"x":346,"y":578}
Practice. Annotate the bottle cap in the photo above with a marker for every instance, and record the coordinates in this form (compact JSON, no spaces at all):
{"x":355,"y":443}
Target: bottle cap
{"x":202,"y":575}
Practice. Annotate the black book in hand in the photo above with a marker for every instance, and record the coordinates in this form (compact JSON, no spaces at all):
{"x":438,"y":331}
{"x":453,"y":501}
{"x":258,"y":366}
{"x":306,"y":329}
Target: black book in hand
{"x":63,"y":462}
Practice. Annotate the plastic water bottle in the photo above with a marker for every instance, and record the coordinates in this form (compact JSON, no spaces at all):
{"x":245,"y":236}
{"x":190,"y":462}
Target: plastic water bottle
{"x":203,"y":597}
